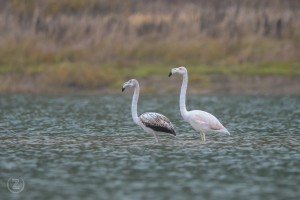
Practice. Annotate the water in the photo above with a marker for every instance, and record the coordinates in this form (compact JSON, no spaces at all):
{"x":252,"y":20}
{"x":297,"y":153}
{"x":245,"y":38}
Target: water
{"x":87,"y":147}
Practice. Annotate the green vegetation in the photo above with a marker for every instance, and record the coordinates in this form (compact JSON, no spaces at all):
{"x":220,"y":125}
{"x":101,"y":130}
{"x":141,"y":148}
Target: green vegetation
{"x":69,"y":68}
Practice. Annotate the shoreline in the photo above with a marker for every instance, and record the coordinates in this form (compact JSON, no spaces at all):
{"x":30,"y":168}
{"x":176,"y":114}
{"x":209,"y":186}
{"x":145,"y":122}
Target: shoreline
{"x":207,"y":85}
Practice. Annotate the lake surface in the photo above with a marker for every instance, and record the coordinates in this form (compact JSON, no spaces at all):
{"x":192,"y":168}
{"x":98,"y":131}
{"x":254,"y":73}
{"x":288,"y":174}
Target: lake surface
{"x":87,"y":147}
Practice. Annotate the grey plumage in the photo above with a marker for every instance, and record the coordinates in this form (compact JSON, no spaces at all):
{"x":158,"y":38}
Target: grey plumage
{"x":157,"y":122}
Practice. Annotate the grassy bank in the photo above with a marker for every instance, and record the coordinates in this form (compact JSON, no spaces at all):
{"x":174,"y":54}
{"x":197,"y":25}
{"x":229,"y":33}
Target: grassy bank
{"x":96,"y":45}
{"x":69,"y":77}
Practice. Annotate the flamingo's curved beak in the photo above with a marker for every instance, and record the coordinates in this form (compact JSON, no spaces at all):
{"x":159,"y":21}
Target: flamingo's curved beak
{"x":170,"y":74}
{"x":123,"y":89}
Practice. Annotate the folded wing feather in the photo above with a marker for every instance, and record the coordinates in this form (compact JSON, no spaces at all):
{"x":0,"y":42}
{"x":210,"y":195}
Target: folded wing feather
{"x":157,"y":122}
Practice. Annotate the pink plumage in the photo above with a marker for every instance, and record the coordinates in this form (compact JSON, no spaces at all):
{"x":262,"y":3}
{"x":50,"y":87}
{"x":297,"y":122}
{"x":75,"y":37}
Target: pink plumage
{"x":205,"y":121}
{"x":201,"y":121}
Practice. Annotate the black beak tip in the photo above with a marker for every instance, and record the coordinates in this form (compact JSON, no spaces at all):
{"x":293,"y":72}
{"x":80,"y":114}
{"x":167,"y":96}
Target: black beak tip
{"x":123,"y":89}
{"x":170,"y":74}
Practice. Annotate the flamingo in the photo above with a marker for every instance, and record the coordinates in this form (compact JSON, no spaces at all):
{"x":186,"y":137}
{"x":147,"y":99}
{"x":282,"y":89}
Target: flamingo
{"x":151,"y":122}
{"x":201,"y":121}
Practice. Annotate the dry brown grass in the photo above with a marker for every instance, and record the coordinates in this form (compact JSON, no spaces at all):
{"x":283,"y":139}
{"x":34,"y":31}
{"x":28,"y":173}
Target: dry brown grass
{"x":72,"y":43}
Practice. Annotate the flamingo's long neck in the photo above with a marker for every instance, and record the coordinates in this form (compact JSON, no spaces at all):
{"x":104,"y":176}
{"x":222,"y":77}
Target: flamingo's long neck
{"x":135,"y":99}
{"x":182,"y":105}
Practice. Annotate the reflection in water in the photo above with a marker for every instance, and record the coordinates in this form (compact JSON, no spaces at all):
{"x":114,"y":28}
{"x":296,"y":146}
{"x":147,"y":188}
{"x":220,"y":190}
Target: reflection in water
{"x":80,"y":147}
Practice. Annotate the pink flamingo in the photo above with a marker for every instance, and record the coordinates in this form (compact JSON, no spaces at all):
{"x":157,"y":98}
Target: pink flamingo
{"x":201,"y":121}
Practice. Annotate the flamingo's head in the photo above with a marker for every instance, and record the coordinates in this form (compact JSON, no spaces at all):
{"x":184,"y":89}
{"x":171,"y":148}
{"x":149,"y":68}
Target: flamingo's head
{"x":178,"y":70}
{"x":130,"y":83}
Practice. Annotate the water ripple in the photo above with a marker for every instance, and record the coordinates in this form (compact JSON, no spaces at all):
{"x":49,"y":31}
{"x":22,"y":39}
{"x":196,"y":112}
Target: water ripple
{"x":87,"y":147}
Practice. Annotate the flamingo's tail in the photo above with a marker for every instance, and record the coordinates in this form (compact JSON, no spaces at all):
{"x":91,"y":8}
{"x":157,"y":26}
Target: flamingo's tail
{"x":226,"y":131}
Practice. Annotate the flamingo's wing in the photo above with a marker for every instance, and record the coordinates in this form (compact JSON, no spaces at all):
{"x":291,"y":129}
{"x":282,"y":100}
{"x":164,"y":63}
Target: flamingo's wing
{"x":157,"y":122}
{"x":208,"y":120}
